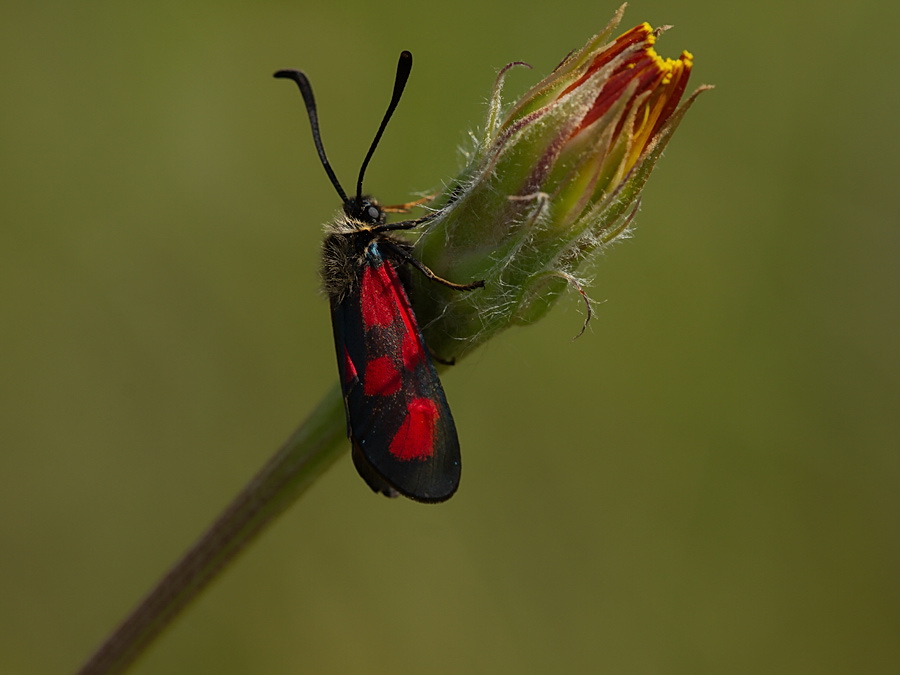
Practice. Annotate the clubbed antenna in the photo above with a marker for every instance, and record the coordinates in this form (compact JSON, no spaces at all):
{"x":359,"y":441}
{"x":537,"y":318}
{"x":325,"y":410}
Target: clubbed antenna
{"x":404,"y":66}
{"x":310,"y":101}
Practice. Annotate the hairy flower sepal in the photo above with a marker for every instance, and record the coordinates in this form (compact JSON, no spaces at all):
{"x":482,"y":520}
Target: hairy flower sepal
{"x":550,"y":182}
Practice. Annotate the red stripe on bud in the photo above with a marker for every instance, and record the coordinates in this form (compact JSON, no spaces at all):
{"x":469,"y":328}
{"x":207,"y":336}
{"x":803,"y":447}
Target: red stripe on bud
{"x":662,"y":80}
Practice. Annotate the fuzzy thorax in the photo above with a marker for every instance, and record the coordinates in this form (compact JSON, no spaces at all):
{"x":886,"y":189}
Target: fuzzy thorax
{"x":347,"y":245}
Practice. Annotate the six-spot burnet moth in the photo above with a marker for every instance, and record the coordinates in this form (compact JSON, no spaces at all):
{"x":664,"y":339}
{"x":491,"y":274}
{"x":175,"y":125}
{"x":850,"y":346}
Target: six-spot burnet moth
{"x":403,"y":436}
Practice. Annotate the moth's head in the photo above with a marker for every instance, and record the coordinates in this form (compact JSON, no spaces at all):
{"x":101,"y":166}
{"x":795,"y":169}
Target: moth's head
{"x":365,"y":209}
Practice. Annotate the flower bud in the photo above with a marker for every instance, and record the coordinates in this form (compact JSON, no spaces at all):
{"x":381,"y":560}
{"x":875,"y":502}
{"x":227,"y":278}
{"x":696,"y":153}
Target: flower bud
{"x":551,"y":181}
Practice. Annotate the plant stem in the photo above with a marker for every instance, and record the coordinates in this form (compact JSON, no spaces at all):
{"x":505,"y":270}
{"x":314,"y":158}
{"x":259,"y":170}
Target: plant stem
{"x":310,"y":450}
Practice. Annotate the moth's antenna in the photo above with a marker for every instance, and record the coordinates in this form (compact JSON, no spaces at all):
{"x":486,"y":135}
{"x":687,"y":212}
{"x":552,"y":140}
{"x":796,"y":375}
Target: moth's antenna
{"x":404,"y":66}
{"x":310,"y":101}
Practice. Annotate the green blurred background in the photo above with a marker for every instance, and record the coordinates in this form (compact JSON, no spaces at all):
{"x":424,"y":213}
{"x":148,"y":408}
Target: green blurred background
{"x":708,"y":481}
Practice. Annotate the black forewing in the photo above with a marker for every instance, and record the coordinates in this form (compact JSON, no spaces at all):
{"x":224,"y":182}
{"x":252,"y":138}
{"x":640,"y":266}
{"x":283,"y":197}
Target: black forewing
{"x":374,"y":421}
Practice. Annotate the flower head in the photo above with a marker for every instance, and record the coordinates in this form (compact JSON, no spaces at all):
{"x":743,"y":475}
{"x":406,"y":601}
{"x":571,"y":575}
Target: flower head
{"x":552,"y":180}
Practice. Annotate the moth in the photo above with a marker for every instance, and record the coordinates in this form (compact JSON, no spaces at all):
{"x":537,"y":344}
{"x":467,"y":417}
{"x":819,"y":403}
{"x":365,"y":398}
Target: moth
{"x":398,"y":421}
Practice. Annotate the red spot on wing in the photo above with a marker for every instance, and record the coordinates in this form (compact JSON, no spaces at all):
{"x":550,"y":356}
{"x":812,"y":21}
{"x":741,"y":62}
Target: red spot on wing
{"x":409,"y":321}
{"x":382,"y":377}
{"x":378,"y":290}
{"x":415,"y":438}
{"x":411,"y":351}
{"x":350,"y":373}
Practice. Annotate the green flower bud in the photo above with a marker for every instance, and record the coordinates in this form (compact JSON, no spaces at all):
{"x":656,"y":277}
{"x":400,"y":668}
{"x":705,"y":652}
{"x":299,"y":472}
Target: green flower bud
{"x":551,"y":181}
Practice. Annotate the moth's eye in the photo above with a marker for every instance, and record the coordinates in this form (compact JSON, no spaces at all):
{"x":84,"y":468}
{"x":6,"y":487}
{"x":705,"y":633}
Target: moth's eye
{"x":373,"y":212}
